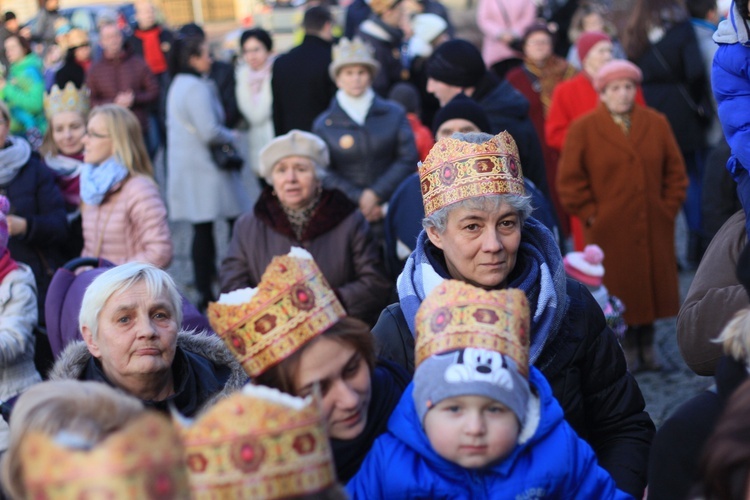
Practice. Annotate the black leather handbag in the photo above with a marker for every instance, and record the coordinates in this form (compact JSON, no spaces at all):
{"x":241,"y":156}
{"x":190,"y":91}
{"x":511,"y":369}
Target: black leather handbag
{"x":226,"y":157}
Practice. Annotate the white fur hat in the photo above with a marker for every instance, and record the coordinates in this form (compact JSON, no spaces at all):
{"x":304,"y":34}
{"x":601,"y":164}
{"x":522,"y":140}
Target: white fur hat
{"x":428,"y":26}
{"x":293,"y":143}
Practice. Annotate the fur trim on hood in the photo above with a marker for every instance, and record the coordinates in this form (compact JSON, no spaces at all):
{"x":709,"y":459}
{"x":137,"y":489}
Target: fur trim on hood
{"x":72,"y":361}
{"x":734,"y":29}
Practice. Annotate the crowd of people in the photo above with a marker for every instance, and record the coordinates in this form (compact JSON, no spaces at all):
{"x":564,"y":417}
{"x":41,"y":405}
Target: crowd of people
{"x":414,"y":302}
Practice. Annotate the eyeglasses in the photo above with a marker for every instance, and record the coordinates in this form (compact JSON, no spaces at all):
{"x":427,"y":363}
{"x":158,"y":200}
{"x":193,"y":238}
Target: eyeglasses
{"x":94,"y":135}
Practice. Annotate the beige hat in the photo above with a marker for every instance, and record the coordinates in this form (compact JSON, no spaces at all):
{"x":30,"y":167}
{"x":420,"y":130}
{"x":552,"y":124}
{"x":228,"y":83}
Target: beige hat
{"x":293,"y":143}
{"x":353,"y":51}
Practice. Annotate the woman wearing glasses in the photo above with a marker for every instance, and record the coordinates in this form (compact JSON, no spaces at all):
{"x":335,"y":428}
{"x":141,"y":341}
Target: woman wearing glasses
{"x":124,"y":216}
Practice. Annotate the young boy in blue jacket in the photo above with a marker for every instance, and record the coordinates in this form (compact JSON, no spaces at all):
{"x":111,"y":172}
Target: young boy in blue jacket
{"x":477,"y":421}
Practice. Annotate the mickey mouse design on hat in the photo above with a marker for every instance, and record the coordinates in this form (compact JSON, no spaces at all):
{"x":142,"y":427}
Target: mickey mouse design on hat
{"x":586,"y":267}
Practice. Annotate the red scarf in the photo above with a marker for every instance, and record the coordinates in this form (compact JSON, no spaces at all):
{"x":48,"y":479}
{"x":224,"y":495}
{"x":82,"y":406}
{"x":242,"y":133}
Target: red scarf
{"x":7,"y":264}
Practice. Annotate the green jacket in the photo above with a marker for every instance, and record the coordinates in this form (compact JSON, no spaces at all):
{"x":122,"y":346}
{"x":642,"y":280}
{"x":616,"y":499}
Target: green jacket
{"x":24,"y":95}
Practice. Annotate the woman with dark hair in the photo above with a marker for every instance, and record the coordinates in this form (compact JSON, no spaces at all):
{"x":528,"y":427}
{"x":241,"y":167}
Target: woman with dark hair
{"x":291,"y":333}
{"x":253,"y":91}
{"x":660,"y":39}
{"x":198,"y":191}
{"x":77,"y":59}
{"x":23,"y":90}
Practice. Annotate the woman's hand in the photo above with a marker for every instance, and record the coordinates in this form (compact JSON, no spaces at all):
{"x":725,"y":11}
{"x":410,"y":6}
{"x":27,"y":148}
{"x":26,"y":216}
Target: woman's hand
{"x":16,"y":225}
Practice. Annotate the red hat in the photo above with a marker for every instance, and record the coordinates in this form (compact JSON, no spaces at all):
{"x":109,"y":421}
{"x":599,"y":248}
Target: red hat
{"x":615,"y":70}
{"x":587,"y":41}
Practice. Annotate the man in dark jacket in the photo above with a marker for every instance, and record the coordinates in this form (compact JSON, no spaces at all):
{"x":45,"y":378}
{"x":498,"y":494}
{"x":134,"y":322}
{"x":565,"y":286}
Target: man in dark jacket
{"x":122,"y":77}
{"x":382,"y":33}
{"x":457,"y":67}
{"x":296,"y":106}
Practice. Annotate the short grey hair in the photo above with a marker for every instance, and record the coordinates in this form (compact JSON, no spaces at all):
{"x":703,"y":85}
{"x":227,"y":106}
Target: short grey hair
{"x":120,"y":279}
{"x":521,"y":204}
{"x":320,"y":170}
{"x":490,"y":203}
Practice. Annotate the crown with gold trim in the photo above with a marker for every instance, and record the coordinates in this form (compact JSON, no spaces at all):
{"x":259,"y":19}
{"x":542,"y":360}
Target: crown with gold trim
{"x":455,"y":170}
{"x":143,"y":460}
{"x":69,"y":98}
{"x":456,"y":315}
{"x":292,"y":304}
{"x":258,"y":443}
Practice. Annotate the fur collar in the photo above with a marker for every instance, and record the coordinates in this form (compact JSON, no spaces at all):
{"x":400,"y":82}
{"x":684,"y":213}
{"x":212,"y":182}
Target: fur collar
{"x":333,"y":208}
{"x":72,"y":361}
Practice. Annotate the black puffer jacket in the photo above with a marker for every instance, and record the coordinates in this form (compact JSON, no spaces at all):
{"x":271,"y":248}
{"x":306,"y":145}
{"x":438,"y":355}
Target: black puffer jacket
{"x":377,"y":155}
{"x":586,"y":369}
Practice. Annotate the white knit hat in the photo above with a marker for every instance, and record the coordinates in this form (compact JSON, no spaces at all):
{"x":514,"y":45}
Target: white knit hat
{"x":293,"y":143}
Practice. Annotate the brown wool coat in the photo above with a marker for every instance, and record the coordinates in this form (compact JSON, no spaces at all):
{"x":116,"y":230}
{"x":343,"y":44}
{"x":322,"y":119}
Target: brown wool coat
{"x":632,"y":187}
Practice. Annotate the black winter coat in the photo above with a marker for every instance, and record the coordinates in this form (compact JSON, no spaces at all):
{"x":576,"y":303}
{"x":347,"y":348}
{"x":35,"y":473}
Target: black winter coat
{"x":34,"y":195}
{"x":586,"y":369}
{"x":661,"y":85}
{"x":387,"y":48}
{"x":377,"y":155}
{"x":296,"y":106}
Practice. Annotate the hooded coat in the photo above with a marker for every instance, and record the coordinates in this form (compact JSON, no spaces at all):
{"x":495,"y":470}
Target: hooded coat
{"x":635,"y":182}
{"x":550,"y":460}
{"x":730,"y":80}
{"x":205,"y":368}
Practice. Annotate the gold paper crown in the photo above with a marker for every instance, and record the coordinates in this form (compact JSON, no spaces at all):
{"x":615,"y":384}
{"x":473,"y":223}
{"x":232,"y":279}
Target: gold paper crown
{"x":457,"y":315}
{"x":354,"y":51}
{"x":292,"y":305}
{"x":455,"y":170}
{"x":68,"y":99}
{"x":260,"y":444}
{"x":143,"y":460}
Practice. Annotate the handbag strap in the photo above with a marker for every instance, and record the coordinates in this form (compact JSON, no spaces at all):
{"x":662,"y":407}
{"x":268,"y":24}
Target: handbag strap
{"x":504,"y":13}
{"x":680,"y":86}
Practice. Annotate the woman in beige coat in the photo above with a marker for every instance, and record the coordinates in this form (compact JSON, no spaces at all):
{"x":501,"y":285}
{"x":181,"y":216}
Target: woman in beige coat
{"x":622,"y":174}
{"x":124,"y":216}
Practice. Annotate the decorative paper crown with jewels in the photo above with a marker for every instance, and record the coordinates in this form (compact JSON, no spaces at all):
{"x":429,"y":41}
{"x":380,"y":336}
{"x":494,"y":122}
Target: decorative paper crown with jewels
{"x":143,"y":460}
{"x":456,"y":315}
{"x":292,"y":304}
{"x":258,"y":443}
{"x":68,"y":99}
{"x":455,"y":170}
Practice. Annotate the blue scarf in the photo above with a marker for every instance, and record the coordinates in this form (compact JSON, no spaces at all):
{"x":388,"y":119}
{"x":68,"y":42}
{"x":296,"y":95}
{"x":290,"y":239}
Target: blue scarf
{"x":538,"y":272}
{"x":97,"y":180}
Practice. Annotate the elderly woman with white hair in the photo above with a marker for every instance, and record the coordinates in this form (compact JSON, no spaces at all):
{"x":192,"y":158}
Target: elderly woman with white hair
{"x":478,"y":229}
{"x":130,"y":317}
{"x":295,"y":210}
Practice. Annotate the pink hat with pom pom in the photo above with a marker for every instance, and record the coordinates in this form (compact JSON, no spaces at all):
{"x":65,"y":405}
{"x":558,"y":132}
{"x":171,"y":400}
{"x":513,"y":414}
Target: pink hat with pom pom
{"x":4,"y":209}
{"x":586,"y":266}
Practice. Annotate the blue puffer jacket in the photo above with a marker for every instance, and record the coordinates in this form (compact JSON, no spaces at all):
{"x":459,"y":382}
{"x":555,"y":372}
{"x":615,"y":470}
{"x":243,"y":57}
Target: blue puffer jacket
{"x":553,"y":462}
{"x":730,"y":79}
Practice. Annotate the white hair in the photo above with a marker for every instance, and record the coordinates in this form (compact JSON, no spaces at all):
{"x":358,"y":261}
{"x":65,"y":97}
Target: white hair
{"x":735,"y":337}
{"x":122,"y":278}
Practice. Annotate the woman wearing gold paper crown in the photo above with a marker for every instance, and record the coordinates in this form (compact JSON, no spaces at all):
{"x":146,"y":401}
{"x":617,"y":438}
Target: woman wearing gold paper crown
{"x":295,"y":210}
{"x":478,"y":230}
{"x":371,"y":143}
{"x":292,"y":333}
{"x":62,"y":148}
{"x":130,"y":317}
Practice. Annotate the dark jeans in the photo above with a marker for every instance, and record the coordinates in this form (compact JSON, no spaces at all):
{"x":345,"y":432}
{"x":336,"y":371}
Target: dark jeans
{"x":204,"y":259}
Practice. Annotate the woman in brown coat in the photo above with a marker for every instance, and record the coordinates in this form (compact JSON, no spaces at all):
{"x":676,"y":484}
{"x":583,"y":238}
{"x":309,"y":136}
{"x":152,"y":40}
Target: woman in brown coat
{"x":622,"y":174}
{"x":294,"y":210}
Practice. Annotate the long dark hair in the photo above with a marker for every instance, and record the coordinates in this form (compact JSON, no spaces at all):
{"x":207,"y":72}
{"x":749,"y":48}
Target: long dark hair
{"x":648,"y":14}
{"x":183,"y":48}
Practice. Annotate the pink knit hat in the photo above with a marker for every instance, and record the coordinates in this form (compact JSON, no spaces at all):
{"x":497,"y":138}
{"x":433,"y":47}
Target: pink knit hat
{"x":616,"y":70}
{"x":587,"y":41}
{"x":586,"y":266}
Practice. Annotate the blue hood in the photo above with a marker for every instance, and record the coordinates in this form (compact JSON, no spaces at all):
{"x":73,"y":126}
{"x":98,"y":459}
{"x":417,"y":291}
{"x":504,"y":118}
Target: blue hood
{"x":543,"y":416}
